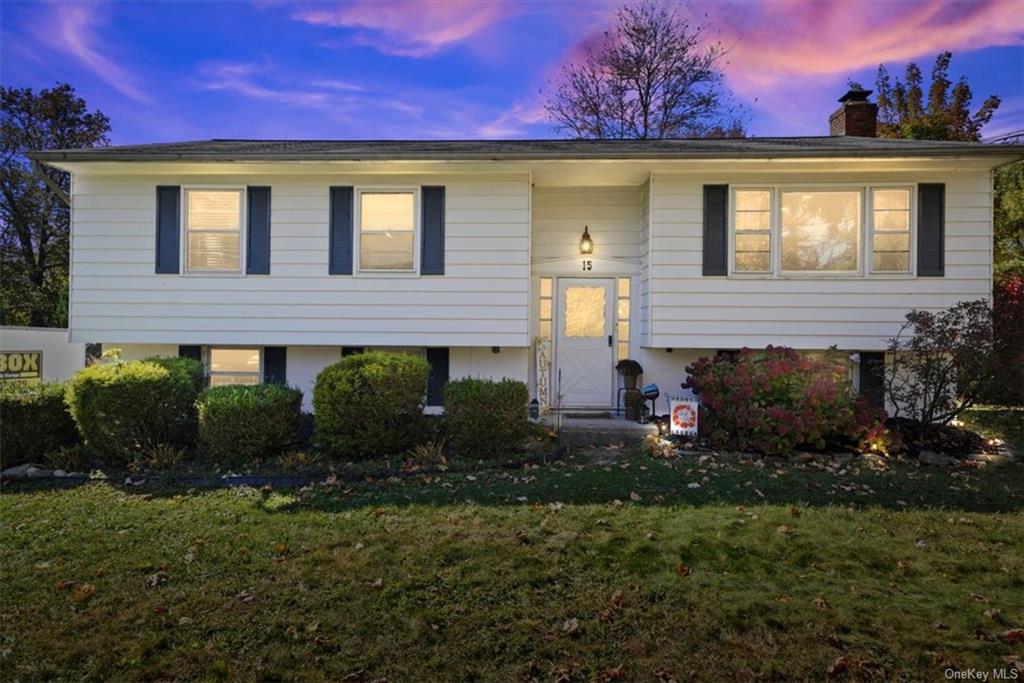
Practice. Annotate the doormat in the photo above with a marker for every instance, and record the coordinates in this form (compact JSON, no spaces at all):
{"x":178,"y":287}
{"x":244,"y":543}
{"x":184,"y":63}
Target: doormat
{"x":589,"y":416}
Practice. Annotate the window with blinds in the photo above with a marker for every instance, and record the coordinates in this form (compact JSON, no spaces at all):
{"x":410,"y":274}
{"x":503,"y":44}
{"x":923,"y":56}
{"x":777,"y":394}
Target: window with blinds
{"x":213,"y":230}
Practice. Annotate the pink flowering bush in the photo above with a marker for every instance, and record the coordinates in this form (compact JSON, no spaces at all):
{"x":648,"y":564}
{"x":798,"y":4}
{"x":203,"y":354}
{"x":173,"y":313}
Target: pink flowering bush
{"x":775,"y":400}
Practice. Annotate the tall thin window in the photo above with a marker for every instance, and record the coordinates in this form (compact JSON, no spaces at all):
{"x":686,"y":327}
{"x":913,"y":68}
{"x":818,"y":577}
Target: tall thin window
{"x":622,"y":318}
{"x":890,"y":239}
{"x":545,"y":307}
{"x":753,"y":231}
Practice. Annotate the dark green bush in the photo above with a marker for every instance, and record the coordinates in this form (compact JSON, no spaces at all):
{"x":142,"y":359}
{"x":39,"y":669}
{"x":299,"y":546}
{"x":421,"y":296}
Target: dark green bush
{"x":370,"y":404}
{"x":33,"y":422}
{"x":124,"y":407}
{"x":484,"y":418}
{"x":242,"y":423}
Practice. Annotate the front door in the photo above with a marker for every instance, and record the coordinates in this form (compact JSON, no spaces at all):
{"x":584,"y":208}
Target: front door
{"x":584,"y":348}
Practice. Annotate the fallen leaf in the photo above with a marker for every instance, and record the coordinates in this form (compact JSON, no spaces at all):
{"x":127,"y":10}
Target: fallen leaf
{"x":62,"y":586}
{"x":608,"y":674}
{"x":822,"y":604}
{"x":837,"y":668}
{"x":571,"y":625}
{"x":682,"y":570}
{"x":794,"y":511}
{"x":378,"y":584}
{"x":83,"y":592}
{"x":992,"y":613}
{"x":785,"y":529}
{"x":190,"y":554}
{"x":634,"y":496}
{"x":664,"y":676}
{"x":1014,"y":635}
{"x":156,"y":579}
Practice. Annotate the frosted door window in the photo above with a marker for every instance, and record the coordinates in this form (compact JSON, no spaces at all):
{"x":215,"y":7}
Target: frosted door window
{"x":585,"y":312}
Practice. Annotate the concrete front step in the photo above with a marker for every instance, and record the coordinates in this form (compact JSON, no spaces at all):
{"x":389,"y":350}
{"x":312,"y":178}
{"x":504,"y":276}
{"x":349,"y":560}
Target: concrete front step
{"x":599,"y":431}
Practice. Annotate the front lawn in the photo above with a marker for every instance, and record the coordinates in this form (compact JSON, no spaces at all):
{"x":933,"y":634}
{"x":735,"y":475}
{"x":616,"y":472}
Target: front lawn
{"x":636,"y":570}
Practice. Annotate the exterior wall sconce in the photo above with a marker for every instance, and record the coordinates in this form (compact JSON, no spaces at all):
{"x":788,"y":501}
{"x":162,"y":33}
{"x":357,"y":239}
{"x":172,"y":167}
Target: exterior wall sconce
{"x":586,"y":244}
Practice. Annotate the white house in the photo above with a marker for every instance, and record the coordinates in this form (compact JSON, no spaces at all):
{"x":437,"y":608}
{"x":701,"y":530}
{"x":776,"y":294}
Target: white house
{"x":271,"y":259}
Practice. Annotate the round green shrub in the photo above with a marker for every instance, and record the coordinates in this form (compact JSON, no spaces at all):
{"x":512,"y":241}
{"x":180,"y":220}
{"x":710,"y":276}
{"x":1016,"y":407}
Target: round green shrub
{"x":484,"y":418}
{"x":122,"y":408}
{"x":243,"y":423}
{"x":370,"y":404}
{"x":34,"y":421}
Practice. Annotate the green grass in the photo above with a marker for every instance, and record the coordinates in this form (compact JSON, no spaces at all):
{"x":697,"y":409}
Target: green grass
{"x":475,"y":576}
{"x":1003,"y":422}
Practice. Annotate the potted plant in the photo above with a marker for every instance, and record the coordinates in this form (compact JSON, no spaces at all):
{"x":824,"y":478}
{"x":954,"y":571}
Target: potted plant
{"x":630,"y":370}
{"x":635,"y":404}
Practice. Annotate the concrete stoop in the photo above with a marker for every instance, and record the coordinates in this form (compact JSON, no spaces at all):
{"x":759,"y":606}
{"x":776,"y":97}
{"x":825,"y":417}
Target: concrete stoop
{"x":594,"y":431}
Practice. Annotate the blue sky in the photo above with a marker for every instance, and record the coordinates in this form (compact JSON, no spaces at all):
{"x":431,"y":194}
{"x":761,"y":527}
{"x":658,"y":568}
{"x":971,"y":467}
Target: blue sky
{"x":462,"y":69}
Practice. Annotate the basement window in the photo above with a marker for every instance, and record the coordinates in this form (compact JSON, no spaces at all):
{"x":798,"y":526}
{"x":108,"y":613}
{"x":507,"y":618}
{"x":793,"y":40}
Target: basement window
{"x":234,"y":366}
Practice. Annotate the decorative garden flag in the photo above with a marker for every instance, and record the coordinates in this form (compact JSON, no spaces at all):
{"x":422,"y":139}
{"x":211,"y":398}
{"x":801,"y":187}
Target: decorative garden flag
{"x":684,"y":415}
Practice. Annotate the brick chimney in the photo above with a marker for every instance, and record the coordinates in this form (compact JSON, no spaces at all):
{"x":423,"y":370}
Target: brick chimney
{"x":855,"y":116}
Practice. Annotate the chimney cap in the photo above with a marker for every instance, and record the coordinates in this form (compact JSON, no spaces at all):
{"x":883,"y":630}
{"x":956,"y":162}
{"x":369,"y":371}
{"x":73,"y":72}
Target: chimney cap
{"x":855,"y":94}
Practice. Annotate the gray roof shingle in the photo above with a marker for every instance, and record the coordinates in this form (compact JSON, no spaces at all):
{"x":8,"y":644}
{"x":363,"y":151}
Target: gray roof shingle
{"x":511,"y":150}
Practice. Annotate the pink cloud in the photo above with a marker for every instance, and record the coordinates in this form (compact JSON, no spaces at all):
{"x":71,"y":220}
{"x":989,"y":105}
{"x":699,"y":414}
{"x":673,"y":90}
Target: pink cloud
{"x":408,"y":28}
{"x":73,"y":28}
{"x":773,"y":42}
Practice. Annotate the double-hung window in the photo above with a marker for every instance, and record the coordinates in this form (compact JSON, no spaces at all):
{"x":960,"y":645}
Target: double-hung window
{"x":387,"y":231}
{"x":753,"y":239}
{"x":234,"y":366}
{"x":890,"y":225}
{"x":213,"y":230}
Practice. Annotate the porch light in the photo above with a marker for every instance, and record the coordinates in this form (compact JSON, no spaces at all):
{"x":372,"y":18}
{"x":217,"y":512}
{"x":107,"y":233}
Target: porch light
{"x":586,"y":244}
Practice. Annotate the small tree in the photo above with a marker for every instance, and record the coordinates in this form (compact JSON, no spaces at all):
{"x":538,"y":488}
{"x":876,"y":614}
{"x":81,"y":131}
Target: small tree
{"x":940,"y":363}
{"x":903,"y":113}
{"x":654,"y":76}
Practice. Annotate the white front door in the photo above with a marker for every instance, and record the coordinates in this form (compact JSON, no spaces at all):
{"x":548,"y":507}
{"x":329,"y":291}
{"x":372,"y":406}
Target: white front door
{"x":584,"y":350}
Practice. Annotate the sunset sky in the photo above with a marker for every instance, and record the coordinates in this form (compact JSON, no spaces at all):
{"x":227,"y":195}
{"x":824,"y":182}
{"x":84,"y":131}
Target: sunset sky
{"x":448,"y":69}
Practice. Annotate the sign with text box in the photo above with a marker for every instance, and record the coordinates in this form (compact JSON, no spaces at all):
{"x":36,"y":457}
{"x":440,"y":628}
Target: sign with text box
{"x":21,"y":367}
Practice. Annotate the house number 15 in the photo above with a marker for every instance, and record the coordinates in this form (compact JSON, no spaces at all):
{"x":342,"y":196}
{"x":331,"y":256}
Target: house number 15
{"x":588,"y":264}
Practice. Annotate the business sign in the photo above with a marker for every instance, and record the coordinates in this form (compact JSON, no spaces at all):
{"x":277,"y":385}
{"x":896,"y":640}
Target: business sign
{"x":684,"y":412}
{"x":21,"y":367}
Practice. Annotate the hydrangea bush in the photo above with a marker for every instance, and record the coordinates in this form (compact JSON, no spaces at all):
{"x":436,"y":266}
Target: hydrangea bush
{"x":776,"y":400}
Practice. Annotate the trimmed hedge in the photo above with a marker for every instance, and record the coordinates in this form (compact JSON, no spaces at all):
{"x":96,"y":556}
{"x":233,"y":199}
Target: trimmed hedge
{"x":484,"y":418}
{"x":241,"y":423}
{"x":34,"y":421}
{"x":370,"y":404}
{"x":122,"y":408}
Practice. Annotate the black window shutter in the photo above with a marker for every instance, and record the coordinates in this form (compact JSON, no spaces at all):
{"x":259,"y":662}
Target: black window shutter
{"x":168,"y":228}
{"x":340,"y":262}
{"x":258,"y":258}
{"x":872,"y":377}
{"x":432,"y":225}
{"x":716,"y":229}
{"x":931,"y":230}
{"x":351,"y":350}
{"x":438,"y":359}
{"x":193,"y":352}
{"x":275,"y":365}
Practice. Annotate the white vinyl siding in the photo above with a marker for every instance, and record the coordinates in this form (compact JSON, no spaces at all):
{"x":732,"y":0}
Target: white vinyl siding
{"x":481,"y":300}
{"x":806,"y":311}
